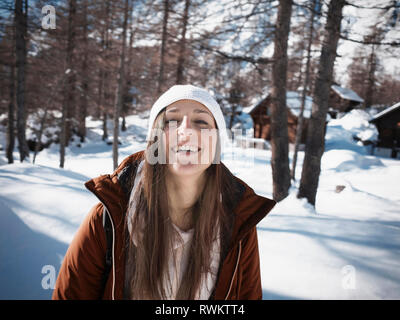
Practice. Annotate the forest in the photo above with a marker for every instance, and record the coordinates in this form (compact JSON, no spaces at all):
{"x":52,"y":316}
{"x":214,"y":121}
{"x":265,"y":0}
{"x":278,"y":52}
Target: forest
{"x":62,"y":61}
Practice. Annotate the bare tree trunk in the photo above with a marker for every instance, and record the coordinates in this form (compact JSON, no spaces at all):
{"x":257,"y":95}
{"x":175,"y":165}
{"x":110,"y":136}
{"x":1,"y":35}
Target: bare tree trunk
{"x":279,"y":128}
{"x":56,"y":88}
{"x":371,"y":78}
{"x":105,"y":132}
{"x":106,"y":73}
{"x":40,"y":133}
{"x":182,"y":44}
{"x":232,"y":116}
{"x":100,"y":93}
{"x":21,"y":35}
{"x":123,"y":124}
{"x":128,"y":75}
{"x":163,"y":47}
{"x":316,"y":130}
{"x":11,"y":107}
{"x":85,"y":83}
{"x":299,"y":128}
{"x":69,"y":83}
{"x":120,"y":90}
{"x":234,"y":99}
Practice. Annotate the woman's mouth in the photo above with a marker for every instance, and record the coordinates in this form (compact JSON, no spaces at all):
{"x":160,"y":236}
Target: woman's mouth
{"x":186,"y":149}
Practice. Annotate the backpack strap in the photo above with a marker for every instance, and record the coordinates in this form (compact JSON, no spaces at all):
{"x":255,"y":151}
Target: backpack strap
{"x":109,"y":238}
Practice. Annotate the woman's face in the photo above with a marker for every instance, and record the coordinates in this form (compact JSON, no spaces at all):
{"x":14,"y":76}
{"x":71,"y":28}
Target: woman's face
{"x":191,"y":137}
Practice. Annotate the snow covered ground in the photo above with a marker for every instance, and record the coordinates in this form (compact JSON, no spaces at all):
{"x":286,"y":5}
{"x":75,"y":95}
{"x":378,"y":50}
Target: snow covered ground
{"x":347,"y":248}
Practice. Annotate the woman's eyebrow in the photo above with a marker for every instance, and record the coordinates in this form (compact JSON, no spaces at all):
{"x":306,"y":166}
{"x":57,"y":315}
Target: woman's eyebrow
{"x":195,"y":111}
{"x":202,"y":111}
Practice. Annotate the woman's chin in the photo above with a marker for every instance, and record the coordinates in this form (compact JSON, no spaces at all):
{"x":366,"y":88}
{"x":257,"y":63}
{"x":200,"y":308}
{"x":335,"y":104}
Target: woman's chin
{"x":187,"y":168}
{"x":184,"y":163}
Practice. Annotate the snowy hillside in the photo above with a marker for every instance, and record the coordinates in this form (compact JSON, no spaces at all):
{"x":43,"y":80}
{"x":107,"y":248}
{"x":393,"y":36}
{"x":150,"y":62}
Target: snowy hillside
{"x":347,"y":248}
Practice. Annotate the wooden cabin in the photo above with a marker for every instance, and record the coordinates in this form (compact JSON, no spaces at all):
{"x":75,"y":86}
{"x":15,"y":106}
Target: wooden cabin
{"x":388,"y":124}
{"x":342,"y":100}
{"x":260,"y":113}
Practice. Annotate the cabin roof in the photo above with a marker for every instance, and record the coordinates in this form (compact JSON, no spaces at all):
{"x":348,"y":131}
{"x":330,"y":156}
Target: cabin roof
{"x":346,"y":93}
{"x":385,"y":112}
{"x":293,"y":102}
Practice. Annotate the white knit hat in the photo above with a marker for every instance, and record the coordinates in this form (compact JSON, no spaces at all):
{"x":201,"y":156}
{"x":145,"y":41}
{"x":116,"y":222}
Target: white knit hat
{"x":181,"y":92}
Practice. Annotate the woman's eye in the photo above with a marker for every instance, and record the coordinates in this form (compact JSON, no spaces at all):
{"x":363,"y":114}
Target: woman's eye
{"x":201,"y":122}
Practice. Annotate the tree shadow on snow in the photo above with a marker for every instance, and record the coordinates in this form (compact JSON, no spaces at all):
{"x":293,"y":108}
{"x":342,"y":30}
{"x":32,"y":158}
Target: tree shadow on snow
{"x":270,"y":295}
{"x":23,"y":254}
{"x":365,"y":236}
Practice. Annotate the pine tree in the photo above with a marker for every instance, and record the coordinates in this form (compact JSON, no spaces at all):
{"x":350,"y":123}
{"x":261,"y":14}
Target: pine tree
{"x":316,"y":129}
{"x":21,"y":37}
{"x":120,"y":89}
{"x":306,"y":83}
{"x":182,"y":44}
{"x":69,"y":84}
{"x":279,"y":129}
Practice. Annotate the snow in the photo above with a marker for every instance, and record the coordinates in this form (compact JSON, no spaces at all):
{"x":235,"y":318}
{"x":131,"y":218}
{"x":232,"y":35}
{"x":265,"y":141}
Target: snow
{"x":347,"y":93}
{"x":354,"y":124}
{"x":348,"y":160}
{"x":243,"y":121}
{"x":347,"y":247}
{"x":388,"y":110}
{"x":293,"y":101}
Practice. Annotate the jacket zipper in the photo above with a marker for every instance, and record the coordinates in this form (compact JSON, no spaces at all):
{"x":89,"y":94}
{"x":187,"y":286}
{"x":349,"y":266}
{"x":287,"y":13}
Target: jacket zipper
{"x":113,"y":262}
{"x":236,"y":267}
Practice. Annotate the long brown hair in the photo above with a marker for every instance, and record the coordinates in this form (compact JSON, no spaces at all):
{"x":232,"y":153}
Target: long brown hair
{"x":147,"y":262}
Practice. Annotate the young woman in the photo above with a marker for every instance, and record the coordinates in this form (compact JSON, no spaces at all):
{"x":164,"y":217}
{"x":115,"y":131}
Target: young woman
{"x":182,"y":225}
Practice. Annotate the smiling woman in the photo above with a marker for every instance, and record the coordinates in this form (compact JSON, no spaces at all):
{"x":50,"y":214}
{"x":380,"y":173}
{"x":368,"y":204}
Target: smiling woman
{"x":181,"y":229}
{"x":188,"y":125}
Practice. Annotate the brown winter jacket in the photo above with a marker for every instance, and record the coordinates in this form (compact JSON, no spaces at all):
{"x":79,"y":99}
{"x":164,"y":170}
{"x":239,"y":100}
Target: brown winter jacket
{"x":81,"y":273}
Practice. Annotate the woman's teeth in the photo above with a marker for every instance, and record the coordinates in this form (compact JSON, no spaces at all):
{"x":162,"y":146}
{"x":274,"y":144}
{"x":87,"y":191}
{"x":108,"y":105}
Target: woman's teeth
{"x":187,"y":148}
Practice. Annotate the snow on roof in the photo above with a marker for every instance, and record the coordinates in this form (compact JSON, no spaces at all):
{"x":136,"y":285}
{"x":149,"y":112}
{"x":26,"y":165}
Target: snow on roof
{"x":248,"y":109}
{"x":255,"y":102}
{"x":347,"y":93}
{"x":293,"y":101}
{"x":386,"y":111}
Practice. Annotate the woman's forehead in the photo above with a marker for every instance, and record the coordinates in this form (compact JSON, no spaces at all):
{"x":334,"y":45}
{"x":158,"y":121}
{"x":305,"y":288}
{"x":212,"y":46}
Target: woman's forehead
{"x":188,"y":106}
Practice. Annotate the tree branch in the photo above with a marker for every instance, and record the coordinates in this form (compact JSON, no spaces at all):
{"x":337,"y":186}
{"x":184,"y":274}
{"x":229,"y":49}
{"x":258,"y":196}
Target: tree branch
{"x":237,"y":57}
{"x":254,"y":61}
{"x":392,"y":44}
{"x":393,"y":5}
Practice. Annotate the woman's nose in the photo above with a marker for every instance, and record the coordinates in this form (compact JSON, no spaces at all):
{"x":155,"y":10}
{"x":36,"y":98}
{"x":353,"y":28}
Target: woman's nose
{"x":185,"y":127}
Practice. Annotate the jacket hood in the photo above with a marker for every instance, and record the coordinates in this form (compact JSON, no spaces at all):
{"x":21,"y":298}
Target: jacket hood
{"x":247,"y":208}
